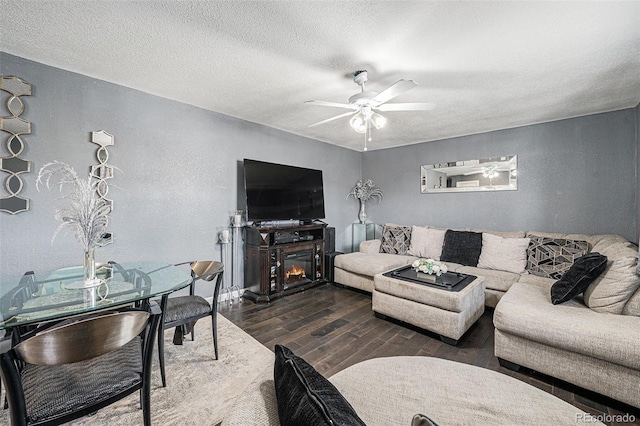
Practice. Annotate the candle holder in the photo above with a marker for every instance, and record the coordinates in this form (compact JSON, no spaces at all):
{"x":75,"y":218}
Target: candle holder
{"x":225,"y":241}
{"x":237,"y":218}
{"x":237,"y":221}
{"x":224,"y":235}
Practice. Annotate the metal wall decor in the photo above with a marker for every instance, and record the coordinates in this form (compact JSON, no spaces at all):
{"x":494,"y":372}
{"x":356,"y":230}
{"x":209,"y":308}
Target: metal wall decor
{"x":102,"y":172}
{"x":16,"y":127}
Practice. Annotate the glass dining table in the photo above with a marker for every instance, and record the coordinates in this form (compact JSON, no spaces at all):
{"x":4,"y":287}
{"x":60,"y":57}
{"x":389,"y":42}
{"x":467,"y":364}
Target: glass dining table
{"x":49,"y":296}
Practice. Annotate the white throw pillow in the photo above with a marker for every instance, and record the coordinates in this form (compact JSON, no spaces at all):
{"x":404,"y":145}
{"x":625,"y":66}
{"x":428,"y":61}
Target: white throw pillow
{"x":505,"y":254}
{"x":426,"y":242}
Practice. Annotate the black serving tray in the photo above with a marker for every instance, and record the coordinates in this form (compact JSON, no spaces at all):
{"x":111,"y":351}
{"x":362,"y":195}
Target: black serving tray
{"x":450,"y":281}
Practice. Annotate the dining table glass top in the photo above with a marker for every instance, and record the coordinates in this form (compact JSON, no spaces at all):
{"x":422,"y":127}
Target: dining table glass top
{"x":46,"y":296}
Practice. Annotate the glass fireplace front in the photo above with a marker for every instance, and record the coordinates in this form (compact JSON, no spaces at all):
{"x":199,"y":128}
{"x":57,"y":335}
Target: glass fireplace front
{"x":298,"y":268}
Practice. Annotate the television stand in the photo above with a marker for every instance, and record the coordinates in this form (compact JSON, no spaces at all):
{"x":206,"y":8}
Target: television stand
{"x":281,"y":260}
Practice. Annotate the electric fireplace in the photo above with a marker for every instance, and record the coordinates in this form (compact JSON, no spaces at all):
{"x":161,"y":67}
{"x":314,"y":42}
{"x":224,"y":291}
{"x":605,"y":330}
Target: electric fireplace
{"x":298,"y":268}
{"x":281,"y":260}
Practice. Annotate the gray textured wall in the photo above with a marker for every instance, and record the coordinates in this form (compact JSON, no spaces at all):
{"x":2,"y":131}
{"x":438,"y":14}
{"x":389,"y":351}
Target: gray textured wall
{"x":179,"y":170}
{"x":575,"y":175}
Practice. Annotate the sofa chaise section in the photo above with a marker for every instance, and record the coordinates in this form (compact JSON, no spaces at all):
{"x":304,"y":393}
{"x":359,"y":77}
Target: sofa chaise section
{"x":593,"y":350}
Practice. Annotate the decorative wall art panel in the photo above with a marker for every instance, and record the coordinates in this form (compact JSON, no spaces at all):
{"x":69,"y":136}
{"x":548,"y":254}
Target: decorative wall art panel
{"x":16,"y":127}
{"x":102,"y":172}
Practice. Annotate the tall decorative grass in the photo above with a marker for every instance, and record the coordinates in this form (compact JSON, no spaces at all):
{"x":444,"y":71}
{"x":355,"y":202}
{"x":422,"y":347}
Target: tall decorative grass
{"x":365,"y":190}
{"x":87,"y":216}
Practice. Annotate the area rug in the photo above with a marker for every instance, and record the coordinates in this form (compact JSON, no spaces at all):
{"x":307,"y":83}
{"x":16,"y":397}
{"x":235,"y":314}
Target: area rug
{"x":200,"y":390}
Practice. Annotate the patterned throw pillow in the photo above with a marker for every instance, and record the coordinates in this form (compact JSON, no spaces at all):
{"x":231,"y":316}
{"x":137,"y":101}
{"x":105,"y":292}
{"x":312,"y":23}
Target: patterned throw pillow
{"x":552,"y":257}
{"x":395,"y":239}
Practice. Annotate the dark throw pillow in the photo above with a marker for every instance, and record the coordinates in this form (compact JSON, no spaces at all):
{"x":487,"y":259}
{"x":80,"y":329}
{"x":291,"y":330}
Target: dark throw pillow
{"x":305,"y":397}
{"x":583,"y":272}
{"x":422,"y":420}
{"x":395,"y":239}
{"x":462,"y":247}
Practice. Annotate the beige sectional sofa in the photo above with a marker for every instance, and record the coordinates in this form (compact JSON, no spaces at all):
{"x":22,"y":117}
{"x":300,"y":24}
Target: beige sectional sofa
{"x":591,"y":341}
{"x":358,"y":269}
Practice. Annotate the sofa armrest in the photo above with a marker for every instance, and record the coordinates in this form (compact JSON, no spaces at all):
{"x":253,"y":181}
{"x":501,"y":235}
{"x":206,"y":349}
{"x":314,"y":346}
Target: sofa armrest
{"x":370,"y":246}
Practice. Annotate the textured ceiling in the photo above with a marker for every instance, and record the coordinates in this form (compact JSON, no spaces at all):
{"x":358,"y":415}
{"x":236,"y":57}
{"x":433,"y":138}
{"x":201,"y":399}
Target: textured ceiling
{"x":486,"y":65}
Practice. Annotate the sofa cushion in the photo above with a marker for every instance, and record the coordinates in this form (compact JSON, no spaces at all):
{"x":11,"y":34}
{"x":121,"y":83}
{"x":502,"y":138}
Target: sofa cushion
{"x":395,"y":239}
{"x":462,"y":247}
{"x":633,"y":305}
{"x":305,"y":397}
{"x":370,"y":246}
{"x":576,"y":280}
{"x":611,"y":291}
{"x":526,"y":311}
{"x":503,"y":234}
{"x":370,"y":264}
{"x":536,"y":280}
{"x":426,"y":242}
{"x":552,"y":257}
{"x":607,"y":241}
{"x":493,"y":279}
{"x":505,"y":254}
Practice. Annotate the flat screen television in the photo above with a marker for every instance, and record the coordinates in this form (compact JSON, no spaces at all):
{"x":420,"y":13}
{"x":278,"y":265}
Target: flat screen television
{"x":280,"y":192}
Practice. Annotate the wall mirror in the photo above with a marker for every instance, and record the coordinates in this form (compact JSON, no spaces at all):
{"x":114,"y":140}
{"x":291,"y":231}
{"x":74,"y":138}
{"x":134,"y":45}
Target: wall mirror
{"x":487,"y":174}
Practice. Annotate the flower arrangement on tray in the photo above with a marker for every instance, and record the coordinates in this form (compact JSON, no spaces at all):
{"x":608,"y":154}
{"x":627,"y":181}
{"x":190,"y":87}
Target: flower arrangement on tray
{"x":429,"y":267}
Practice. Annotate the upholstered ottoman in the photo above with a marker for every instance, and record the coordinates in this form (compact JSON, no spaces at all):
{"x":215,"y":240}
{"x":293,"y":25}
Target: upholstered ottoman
{"x":390,"y":391}
{"x":448,"y":313}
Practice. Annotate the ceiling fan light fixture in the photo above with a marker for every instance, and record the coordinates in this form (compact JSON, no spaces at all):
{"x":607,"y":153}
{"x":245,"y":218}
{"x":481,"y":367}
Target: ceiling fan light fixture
{"x":359,"y":123}
{"x":378,"y":120}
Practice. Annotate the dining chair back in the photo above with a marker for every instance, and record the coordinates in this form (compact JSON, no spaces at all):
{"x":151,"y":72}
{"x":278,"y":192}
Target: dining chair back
{"x":182,"y":312}
{"x":63,"y":371}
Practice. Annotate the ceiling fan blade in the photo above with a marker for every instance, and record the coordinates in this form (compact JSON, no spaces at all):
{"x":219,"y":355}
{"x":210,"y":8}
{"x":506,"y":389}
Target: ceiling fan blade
{"x":333,"y":118}
{"x":331,"y":104}
{"x":410,"y":106}
{"x":394,"y":90}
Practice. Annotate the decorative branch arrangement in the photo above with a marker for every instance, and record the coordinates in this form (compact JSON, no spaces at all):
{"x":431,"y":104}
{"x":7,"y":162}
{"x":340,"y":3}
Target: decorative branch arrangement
{"x":365,"y":191}
{"x":88,"y":215}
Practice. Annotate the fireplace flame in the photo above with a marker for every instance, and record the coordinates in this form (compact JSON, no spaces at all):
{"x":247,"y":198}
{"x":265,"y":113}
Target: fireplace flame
{"x":295,"y":272}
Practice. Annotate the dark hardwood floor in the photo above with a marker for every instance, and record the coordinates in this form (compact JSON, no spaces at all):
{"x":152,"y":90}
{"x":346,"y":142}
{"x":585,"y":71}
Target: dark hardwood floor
{"x":333,"y":327}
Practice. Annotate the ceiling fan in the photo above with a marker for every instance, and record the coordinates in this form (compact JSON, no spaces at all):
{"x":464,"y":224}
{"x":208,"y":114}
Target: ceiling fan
{"x":364,"y":105}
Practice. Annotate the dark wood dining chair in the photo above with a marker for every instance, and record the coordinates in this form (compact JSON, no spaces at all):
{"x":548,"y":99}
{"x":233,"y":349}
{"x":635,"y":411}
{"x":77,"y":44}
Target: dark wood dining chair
{"x":182,"y":312}
{"x":66,"y":370}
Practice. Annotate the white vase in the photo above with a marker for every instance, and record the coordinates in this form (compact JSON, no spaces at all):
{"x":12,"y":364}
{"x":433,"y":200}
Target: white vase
{"x":362,"y":215}
{"x":89,"y":270}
